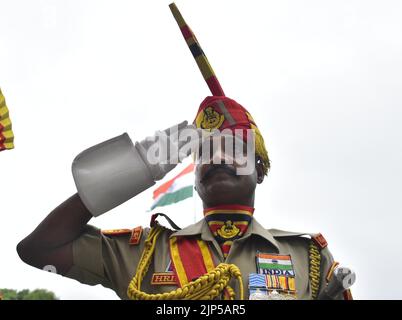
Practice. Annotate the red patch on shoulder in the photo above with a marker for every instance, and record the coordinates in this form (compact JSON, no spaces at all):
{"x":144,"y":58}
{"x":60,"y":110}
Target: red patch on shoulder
{"x":320,"y":241}
{"x":135,"y":236}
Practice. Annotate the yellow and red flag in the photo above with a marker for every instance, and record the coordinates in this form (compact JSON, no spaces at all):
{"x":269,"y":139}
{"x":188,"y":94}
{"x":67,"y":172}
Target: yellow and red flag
{"x":6,"y":132}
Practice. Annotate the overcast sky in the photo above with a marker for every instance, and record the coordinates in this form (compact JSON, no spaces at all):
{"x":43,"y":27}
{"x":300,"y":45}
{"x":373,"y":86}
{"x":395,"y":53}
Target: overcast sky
{"x":322,"y":79}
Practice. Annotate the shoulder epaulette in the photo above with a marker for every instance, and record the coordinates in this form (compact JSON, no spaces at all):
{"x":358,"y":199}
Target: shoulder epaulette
{"x":115,"y":232}
{"x":318,"y":238}
{"x":283,"y":233}
{"x":135,"y":234}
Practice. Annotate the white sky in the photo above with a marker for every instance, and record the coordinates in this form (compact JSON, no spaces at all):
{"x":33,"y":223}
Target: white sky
{"x":321,"y":78}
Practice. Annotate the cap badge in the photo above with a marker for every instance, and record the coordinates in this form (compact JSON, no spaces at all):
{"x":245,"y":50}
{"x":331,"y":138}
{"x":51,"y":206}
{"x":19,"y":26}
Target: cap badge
{"x":211,"y":118}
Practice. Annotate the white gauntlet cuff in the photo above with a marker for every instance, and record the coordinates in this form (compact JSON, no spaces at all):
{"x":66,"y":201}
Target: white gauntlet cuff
{"x":110,"y":173}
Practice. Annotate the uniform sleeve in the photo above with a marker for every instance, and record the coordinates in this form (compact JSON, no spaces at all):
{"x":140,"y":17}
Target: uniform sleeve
{"x":327,"y":262}
{"x":87,"y":265}
{"x":99,"y":259}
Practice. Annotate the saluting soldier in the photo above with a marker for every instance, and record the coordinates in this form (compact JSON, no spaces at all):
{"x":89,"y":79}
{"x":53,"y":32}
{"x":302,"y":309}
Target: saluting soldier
{"x":226,"y":255}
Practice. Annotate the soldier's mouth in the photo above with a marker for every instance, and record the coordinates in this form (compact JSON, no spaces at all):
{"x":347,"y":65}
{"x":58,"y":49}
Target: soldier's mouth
{"x":218,"y":168}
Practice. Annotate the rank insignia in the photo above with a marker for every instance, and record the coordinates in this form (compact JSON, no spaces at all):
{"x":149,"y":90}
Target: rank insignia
{"x":136,"y":234}
{"x":164,"y":278}
{"x":320,"y":241}
{"x":274,"y":264}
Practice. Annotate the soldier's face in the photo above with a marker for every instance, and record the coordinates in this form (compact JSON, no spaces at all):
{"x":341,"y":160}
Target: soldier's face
{"x":218,"y":182}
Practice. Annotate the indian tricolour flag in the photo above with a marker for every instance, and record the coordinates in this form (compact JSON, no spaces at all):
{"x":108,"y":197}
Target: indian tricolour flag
{"x":176,"y":189}
{"x":274,"y":264}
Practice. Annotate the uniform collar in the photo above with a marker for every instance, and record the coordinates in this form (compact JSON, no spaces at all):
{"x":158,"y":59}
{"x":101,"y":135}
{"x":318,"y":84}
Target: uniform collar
{"x":228,"y":209}
{"x":201,"y":228}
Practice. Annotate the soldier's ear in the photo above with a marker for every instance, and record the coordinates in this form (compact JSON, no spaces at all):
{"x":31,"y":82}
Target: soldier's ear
{"x":260,"y":170}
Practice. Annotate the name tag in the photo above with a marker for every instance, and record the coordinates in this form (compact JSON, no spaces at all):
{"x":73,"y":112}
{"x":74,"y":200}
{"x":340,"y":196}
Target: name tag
{"x":164,"y":278}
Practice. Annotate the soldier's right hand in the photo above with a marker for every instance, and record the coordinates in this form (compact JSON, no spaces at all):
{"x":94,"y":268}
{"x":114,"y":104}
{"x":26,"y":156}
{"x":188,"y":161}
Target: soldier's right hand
{"x":163,"y":151}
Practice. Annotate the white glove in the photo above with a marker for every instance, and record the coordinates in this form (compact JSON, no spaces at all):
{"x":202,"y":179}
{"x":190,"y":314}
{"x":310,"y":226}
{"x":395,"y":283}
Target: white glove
{"x":342,"y":279}
{"x":114,"y":171}
{"x":163,"y":151}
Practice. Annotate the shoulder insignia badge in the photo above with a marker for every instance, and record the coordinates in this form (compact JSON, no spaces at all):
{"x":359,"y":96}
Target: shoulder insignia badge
{"x":320,"y":241}
{"x":115,"y":232}
{"x":136,"y":234}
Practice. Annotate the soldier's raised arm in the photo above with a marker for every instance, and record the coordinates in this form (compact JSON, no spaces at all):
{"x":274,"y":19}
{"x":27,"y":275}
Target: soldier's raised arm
{"x":106,"y":175}
{"x":50,"y":244}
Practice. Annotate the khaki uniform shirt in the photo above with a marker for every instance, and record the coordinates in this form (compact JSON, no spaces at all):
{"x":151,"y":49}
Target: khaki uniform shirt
{"x":112,"y":262}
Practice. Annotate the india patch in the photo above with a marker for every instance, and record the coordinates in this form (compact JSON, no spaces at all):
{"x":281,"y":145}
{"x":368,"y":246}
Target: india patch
{"x":274,"y":264}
